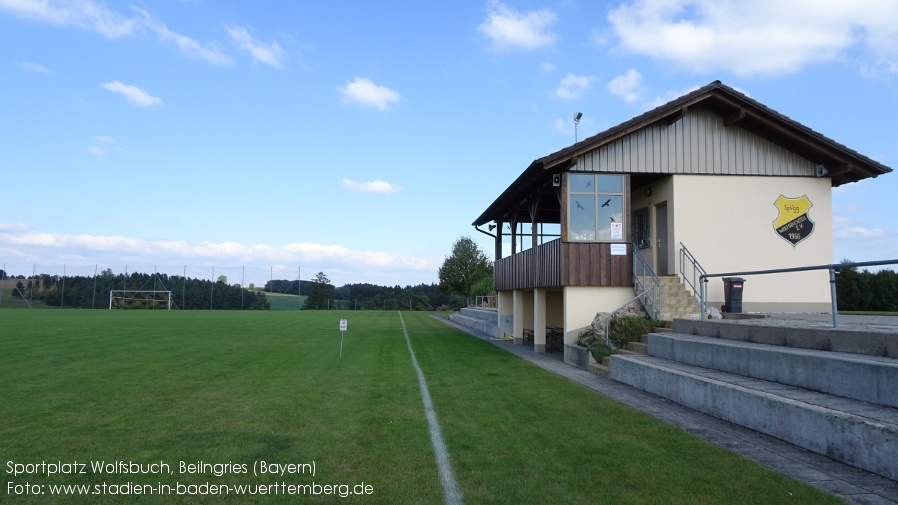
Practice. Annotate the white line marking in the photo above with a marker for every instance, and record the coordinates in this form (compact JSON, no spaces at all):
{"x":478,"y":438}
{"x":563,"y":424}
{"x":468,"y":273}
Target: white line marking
{"x":451,"y":493}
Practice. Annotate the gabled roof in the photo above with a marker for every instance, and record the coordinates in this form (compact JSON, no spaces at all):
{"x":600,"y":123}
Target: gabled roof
{"x":844,"y":164}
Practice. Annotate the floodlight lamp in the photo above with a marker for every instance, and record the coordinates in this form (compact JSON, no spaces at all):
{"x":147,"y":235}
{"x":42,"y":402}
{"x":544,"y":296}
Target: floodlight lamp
{"x":577,"y":117}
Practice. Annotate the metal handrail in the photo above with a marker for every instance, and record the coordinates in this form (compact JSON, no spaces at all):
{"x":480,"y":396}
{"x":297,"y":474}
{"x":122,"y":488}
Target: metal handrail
{"x":695,"y":269}
{"x":604,"y":319}
{"x":643,"y":275}
{"x":833,"y":269}
{"x":487,"y":301}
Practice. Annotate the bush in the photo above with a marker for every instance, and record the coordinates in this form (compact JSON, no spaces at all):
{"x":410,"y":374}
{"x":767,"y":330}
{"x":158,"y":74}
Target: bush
{"x":625,"y":329}
{"x":600,"y":350}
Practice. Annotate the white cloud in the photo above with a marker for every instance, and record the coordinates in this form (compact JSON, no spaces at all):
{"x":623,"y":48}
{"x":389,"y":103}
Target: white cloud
{"x":627,"y":87}
{"x":187,"y":46}
{"x":85,"y":14}
{"x":14,"y":227}
{"x":763,"y":37}
{"x":34,"y":67}
{"x":509,"y":29}
{"x":16,"y":241}
{"x":572,"y":87}
{"x":562,"y":126}
{"x":365,"y":92}
{"x":547,"y":67}
{"x":270,"y":54}
{"x":845,"y":228}
{"x":96,"y":17}
{"x":667,"y":97}
{"x":371,"y":187}
{"x":858,"y":233}
{"x":134,"y":94}
{"x":97,"y":151}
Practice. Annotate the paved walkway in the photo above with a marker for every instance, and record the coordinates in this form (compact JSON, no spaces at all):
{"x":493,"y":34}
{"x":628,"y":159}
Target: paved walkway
{"x":877,"y":324}
{"x":849,"y":483}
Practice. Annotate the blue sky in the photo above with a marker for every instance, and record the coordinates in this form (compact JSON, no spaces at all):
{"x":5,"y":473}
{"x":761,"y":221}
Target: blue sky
{"x":362,"y":138}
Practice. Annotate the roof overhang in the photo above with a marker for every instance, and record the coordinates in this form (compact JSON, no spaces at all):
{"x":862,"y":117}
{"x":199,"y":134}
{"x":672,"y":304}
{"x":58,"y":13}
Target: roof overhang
{"x":843,"y":165}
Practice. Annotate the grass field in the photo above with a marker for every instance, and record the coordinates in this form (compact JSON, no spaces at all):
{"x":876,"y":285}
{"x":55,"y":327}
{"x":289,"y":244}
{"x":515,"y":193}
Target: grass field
{"x":243,"y":387}
{"x":279,"y":301}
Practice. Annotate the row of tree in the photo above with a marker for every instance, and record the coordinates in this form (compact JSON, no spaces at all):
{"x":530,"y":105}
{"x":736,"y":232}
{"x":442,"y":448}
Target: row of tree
{"x":94,"y":292}
{"x":466,"y":273}
{"x":867,"y":291}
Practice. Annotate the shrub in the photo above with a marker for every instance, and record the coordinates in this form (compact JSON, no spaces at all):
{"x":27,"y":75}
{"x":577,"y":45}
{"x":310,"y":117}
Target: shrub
{"x":625,"y":329}
{"x":600,"y":350}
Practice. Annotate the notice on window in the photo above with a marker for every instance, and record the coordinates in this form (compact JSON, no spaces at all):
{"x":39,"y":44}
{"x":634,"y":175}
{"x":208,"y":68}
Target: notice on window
{"x":618,"y":249}
{"x":617,"y":231}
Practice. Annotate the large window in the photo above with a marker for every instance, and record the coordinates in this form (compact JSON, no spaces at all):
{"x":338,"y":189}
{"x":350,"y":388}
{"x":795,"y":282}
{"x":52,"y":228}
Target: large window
{"x":596,"y":207}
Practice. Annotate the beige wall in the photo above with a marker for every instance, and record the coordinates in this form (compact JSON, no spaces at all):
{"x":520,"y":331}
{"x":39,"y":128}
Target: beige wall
{"x":583,"y":303}
{"x":727,"y":223}
{"x":555,"y":308}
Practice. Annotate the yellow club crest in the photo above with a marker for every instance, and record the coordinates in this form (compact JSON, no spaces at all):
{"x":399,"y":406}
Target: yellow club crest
{"x":793,"y":223}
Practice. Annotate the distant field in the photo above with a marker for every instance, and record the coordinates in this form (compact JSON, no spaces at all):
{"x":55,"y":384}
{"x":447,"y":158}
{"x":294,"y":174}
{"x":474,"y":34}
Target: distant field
{"x":228,"y":388}
{"x":7,"y":299}
{"x":280,"y":301}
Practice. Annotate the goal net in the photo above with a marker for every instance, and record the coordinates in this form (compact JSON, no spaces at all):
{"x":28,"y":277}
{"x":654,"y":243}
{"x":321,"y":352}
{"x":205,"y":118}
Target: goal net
{"x":139,"y":299}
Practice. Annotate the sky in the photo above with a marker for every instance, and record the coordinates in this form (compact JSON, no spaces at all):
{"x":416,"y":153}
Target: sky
{"x":362,"y":138}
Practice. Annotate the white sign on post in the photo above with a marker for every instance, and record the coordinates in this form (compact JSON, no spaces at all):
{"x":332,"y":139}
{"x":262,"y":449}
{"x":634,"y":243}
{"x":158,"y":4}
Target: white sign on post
{"x":342,"y":329}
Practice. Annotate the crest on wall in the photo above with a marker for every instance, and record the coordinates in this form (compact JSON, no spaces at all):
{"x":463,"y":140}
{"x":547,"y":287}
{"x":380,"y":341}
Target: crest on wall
{"x":793,"y":223}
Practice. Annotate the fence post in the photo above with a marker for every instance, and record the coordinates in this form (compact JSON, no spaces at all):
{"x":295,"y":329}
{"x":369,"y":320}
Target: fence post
{"x":832,"y":292}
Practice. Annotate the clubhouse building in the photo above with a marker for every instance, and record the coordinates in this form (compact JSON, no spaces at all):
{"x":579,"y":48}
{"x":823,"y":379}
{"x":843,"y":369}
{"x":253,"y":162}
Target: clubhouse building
{"x":712,"y":179}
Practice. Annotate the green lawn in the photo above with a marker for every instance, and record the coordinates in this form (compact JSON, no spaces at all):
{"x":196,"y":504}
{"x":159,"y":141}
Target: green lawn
{"x":241,"y":387}
{"x":279,"y":301}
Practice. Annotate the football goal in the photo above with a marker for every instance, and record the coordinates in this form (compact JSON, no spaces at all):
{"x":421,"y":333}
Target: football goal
{"x":139,"y":299}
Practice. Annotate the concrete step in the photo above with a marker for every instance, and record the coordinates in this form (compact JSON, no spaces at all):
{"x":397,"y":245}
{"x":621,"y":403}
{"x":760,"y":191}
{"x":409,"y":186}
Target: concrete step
{"x":859,"y":433}
{"x":871,"y":379}
{"x":483,"y":326}
{"x":491,"y":315}
{"x":823,"y":339}
{"x":638,"y":347}
{"x":600,"y":370}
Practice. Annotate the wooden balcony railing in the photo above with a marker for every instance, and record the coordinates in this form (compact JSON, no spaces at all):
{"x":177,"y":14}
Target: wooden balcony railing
{"x":557,"y":263}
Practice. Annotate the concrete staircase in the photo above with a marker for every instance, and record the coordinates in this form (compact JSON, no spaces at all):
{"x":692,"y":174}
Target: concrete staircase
{"x":832,"y":392}
{"x":676,"y":301}
{"x":484,"y":320}
{"x":603,"y":369}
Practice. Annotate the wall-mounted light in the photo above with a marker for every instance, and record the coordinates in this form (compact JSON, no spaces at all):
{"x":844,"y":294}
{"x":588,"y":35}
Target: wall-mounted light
{"x":492,"y":227}
{"x":648,"y":191}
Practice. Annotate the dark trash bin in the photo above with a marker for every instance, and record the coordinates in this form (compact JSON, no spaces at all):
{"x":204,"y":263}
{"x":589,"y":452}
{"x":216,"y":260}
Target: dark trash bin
{"x":732,"y":294}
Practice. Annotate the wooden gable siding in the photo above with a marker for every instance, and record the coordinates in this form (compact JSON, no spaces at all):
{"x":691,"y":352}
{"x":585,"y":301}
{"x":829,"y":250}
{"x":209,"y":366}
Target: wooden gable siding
{"x":698,"y":143}
{"x":558,"y":263}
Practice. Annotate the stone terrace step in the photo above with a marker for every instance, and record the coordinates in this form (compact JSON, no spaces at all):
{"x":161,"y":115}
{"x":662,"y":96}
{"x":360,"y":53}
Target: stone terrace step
{"x":491,"y":315}
{"x":861,"y":434}
{"x":867,"y":378}
{"x":855,"y":342}
{"x":491,"y":328}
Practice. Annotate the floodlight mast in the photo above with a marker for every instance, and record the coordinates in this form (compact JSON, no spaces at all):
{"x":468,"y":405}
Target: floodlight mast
{"x":577,"y":116}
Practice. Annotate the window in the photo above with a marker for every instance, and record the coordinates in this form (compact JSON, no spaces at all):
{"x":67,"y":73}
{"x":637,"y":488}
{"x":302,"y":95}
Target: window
{"x":642,"y":228}
{"x":596,"y":207}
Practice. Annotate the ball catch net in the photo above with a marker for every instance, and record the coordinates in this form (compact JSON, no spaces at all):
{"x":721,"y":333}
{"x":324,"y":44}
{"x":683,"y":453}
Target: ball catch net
{"x":139,"y":299}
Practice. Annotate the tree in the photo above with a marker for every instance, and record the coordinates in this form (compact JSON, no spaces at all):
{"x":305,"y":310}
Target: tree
{"x":464,"y":268}
{"x":321,"y":295}
{"x":223,"y":279}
